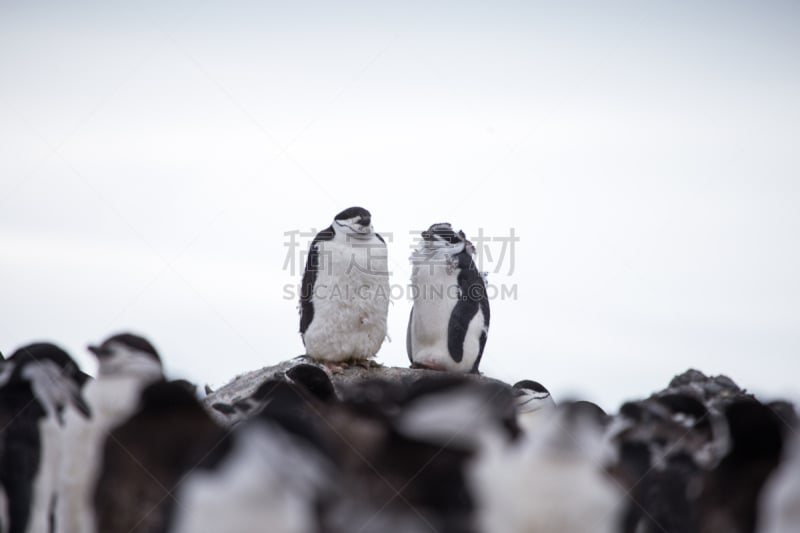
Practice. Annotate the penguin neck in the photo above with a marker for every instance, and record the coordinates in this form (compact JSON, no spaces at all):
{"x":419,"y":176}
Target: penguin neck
{"x":140,"y":368}
{"x":344,"y":234}
{"x":438,"y":250}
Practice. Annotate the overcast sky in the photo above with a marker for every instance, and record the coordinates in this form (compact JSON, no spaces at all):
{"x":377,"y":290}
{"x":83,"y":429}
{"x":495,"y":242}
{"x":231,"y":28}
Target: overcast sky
{"x":154,"y":157}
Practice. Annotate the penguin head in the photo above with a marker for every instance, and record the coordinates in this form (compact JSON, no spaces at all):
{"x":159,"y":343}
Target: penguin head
{"x":126,"y":353}
{"x":41,"y":352}
{"x":353,"y":221}
{"x":531,"y":396}
{"x":315,"y":380}
{"x":443,"y":232}
{"x":442,"y":236}
{"x":53,"y":376}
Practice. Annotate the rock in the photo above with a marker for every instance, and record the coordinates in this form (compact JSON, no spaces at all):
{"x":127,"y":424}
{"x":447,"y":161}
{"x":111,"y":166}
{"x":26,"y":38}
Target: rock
{"x":223,"y":402}
{"x":714,"y":391}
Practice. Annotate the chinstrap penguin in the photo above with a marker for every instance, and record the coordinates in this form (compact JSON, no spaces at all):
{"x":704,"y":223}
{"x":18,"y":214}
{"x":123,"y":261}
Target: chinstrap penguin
{"x":147,"y":457}
{"x":779,"y":509}
{"x":37,"y":383}
{"x":415,"y":443}
{"x":274,"y":474}
{"x":344,"y":299}
{"x":449,"y":320}
{"x":552,"y":481}
{"x":532,"y":399}
{"x":731,"y":491}
{"x":126,"y":363}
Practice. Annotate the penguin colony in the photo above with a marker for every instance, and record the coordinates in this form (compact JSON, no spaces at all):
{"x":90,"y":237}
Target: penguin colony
{"x":305,"y":451}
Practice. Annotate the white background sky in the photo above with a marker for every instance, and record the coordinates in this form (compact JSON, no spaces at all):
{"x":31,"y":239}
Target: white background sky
{"x":152,"y":155}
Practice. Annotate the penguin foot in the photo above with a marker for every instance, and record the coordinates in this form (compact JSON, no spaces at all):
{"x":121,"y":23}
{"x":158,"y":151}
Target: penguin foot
{"x":428,"y":366}
{"x":334,"y":367}
{"x":367,"y":363}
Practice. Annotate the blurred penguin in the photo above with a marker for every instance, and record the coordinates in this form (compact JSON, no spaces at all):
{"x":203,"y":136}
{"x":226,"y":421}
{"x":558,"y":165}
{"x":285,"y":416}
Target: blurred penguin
{"x":732,"y":489}
{"x":126,"y":364}
{"x":414,"y":446}
{"x":779,"y":509}
{"x":275,"y":473}
{"x":37,"y":383}
{"x":146,"y":458}
{"x":554,"y":481}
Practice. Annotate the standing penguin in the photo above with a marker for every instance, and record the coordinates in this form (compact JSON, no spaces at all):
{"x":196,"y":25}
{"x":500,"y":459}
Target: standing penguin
{"x":344,"y":299}
{"x":449,"y":320}
{"x":126,"y":364}
{"x":37,"y":383}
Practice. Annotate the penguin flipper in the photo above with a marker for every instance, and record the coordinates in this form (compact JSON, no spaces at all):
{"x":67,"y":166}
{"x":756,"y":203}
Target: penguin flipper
{"x":307,"y":289}
{"x":310,"y":278}
{"x":484,"y":306}
{"x":471,"y":299}
{"x":408,"y":335}
{"x":462,"y":315}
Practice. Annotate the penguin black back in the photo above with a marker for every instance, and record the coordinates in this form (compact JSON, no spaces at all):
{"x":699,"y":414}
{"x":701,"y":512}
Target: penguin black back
{"x":146,"y":458}
{"x":729,"y":501}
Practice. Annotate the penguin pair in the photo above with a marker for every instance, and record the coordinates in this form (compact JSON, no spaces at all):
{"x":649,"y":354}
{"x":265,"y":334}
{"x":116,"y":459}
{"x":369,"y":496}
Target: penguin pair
{"x":345,"y":292}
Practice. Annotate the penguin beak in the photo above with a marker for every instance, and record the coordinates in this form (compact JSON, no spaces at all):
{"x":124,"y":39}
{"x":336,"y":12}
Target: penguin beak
{"x":365,"y":221}
{"x":426,"y":235}
{"x":98,"y":351}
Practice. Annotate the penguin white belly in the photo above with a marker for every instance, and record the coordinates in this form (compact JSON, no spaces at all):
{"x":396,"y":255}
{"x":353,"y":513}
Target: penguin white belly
{"x":472,"y":341}
{"x":111,"y":400}
{"x":5,"y":521}
{"x":351,"y":301}
{"x":531,"y":421}
{"x":435,"y":297}
{"x":265,"y":484}
{"x":45,"y":483}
